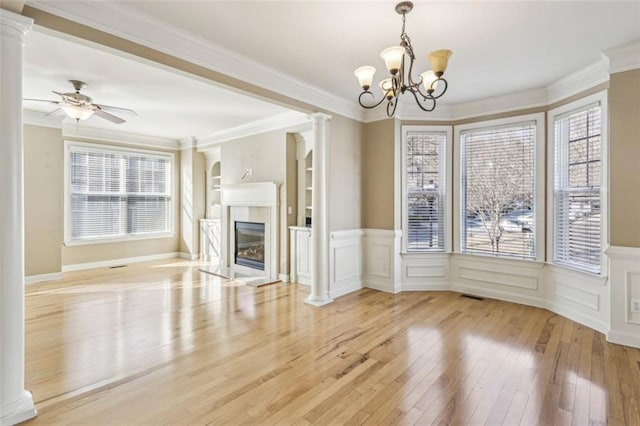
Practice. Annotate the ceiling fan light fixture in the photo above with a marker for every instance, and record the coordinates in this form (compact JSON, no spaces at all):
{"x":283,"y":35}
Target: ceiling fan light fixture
{"x":399,"y":62}
{"x":77,"y":112}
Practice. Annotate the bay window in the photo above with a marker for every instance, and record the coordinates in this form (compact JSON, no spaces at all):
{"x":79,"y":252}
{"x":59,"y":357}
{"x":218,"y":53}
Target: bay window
{"x":425,"y":188}
{"x":578,"y":151}
{"x":501,"y":209}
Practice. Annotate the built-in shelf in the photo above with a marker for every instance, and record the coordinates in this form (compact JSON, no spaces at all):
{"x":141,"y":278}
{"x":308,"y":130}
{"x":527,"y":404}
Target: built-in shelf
{"x":308,"y":188}
{"x":309,"y":169}
{"x":308,"y":207}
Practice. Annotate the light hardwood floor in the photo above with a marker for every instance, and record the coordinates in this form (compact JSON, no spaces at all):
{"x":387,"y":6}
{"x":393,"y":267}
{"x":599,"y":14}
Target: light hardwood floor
{"x":162,"y":343}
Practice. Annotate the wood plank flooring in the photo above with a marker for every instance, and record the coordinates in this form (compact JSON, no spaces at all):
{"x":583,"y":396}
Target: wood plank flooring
{"x":162,"y":343}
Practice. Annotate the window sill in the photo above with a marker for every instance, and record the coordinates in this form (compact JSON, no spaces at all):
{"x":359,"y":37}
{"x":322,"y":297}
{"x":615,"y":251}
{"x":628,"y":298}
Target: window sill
{"x":94,"y":241}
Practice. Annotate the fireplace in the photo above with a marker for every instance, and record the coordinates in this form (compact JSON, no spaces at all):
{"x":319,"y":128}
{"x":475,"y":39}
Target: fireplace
{"x":249,"y":244}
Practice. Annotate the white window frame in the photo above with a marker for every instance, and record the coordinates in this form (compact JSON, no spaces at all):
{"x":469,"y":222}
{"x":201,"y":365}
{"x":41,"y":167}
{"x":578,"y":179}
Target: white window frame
{"x":539,"y":183}
{"x":68,"y":240}
{"x":447,"y":179}
{"x":600,"y":97}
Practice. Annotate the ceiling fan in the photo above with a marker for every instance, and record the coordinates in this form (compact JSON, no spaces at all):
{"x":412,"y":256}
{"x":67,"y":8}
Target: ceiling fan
{"x":80,"y":107}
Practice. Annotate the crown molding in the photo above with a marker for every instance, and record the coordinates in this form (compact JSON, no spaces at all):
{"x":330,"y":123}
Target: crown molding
{"x":72,"y":130}
{"x":122,"y":21}
{"x":579,"y":81}
{"x":280,"y":121}
{"x":38,"y":118}
{"x":573,"y":84}
{"x":624,"y":58}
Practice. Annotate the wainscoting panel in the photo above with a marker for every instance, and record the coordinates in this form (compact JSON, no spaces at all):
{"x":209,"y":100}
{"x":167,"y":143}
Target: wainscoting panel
{"x":381,"y":249}
{"x":425,"y":271}
{"x":505,"y":279}
{"x":578,"y":296}
{"x":624,"y":280}
{"x":345,"y":262}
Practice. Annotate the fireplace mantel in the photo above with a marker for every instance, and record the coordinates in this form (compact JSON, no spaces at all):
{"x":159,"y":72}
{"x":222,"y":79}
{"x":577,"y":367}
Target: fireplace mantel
{"x":263,"y":194}
{"x":251,"y":202}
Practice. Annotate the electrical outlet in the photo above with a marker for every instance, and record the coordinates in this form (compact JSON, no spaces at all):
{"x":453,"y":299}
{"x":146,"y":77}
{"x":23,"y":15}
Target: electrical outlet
{"x":635,"y":305}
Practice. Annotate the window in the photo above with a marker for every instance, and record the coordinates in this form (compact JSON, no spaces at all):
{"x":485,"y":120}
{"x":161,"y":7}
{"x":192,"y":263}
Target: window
{"x":501,"y":212}
{"x":116,"y":193}
{"x":425,"y":188}
{"x":577,"y":185}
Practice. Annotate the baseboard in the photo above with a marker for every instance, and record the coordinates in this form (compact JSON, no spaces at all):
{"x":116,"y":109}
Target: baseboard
{"x":384,"y":284}
{"x":621,"y":338}
{"x":284,"y":278}
{"x":345,"y":288}
{"x":33,"y":279}
{"x":426,"y":286}
{"x":188,"y":256}
{"x":117,"y":262}
{"x":578,"y":317}
{"x":500,"y":295}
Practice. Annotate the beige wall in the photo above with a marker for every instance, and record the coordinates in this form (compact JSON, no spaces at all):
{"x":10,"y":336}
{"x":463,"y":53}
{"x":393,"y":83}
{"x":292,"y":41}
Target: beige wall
{"x":43,"y":202}
{"x":624,"y":158}
{"x":266,"y":155}
{"x":192,"y":199}
{"x":378,"y":175}
{"x":89,"y":253}
{"x":344,"y":168}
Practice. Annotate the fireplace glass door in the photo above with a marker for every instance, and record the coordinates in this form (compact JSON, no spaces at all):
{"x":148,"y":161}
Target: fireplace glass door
{"x":249,"y":244}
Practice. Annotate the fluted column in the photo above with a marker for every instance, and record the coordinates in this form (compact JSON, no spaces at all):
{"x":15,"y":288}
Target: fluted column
{"x":16,"y":404}
{"x":320,"y":212}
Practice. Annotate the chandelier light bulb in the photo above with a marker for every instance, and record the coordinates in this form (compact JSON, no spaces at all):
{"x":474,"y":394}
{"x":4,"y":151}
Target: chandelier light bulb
{"x":392,"y":57}
{"x":439,"y":60}
{"x":428,"y":79}
{"x":387,"y":88}
{"x":365,"y":76}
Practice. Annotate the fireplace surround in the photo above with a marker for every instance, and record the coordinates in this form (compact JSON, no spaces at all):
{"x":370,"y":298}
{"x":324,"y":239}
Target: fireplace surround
{"x":254,"y":203}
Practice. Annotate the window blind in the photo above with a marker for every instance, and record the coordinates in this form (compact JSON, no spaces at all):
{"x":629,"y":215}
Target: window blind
{"x":118,"y":193}
{"x":577,"y":201}
{"x":498,"y":190}
{"x":425,"y":196}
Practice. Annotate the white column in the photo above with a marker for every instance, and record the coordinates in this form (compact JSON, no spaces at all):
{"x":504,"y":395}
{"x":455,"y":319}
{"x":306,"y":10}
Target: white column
{"x":320,"y":212}
{"x":16,"y":404}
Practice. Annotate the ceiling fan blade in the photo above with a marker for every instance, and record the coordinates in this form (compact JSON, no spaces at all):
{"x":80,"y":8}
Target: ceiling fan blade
{"x":42,"y":100}
{"x":58,"y":93}
{"x":112,"y":118}
{"x":116,"y":109}
{"x":55,"y":112}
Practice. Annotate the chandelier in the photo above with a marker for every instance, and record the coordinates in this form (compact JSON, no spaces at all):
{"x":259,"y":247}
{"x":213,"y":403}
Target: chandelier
{"x":399,"y":61}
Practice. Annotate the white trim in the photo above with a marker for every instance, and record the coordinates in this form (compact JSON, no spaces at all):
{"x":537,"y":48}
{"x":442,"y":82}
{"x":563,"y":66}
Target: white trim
{"x":14,"y":25}
{"x":504,"y":296}
{"x":539,"y":179}
{"x":68,"y":241}
{"x":622,"y":338}
{"x":601,"y":98}
{"x":345,"y":262}
{"x":276,"y":122}
{"x":188,"y":256}
{"x":623,"y":253}
{"x":445,"y":159}
{"x":70,"y":130}
{"x":118,"y":262}
{"x":623,"y":58}
{"x":33,"y":279}
{"x":579,"y":81}
{"x":122,"y":21}
{"x":284,"y":278}
{"x":37,"y":118}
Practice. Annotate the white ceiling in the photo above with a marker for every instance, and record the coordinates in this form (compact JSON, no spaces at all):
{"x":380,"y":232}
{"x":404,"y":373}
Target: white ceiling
{"x":499,"y":48}
{"x":169,"y":105}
